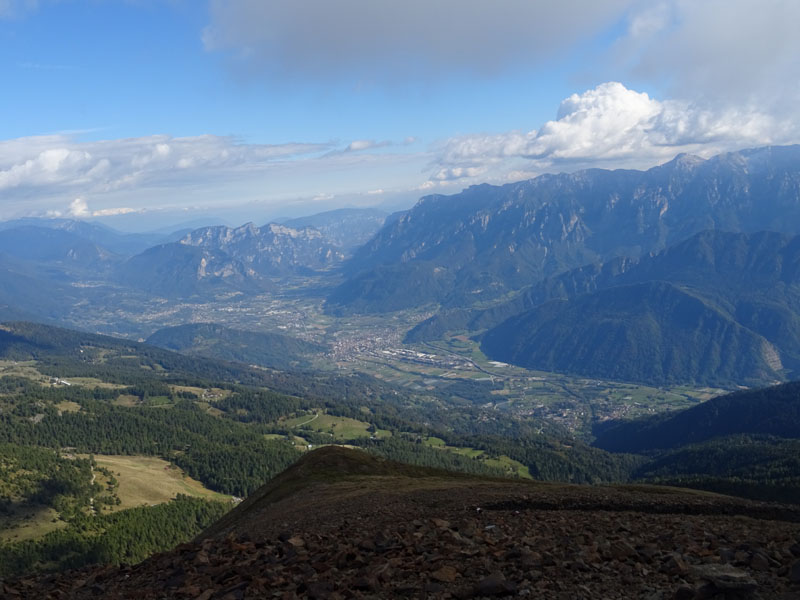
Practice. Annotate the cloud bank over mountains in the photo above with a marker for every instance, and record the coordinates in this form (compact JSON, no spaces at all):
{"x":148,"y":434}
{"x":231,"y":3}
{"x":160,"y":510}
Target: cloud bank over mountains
{"x":612,"y":126}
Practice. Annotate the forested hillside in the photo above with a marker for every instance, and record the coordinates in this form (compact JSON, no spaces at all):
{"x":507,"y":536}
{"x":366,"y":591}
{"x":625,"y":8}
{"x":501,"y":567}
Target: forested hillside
{"x":215,"y":341}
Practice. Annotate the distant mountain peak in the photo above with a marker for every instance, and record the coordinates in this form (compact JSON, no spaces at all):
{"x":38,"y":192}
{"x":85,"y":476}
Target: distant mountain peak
{"x":686,"y":160}
{"x":240,"y":258}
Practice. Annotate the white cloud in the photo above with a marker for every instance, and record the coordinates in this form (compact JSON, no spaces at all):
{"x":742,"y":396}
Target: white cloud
{"x":110,"y":212}
{"x":59,"y":174}
{"x":359,"y":145}
{"x":78,"y":208}
{"x":365,"y":40}
{"x":59,"y":161}
{"x":453,"y":173}
{"x":610,"y":126}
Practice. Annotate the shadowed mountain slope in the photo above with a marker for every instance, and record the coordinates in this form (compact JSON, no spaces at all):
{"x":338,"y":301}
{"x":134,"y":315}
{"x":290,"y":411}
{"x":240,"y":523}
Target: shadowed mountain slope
{"x":770,"y":411}
{"x":719,"y":307}
{"x":651,"y":332}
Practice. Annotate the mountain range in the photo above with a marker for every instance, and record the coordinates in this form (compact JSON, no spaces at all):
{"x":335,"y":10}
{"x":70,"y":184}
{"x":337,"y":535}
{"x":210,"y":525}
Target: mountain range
{"x":182,"y":264}
{"x":488,"y":241}
{"x":347,"y":228}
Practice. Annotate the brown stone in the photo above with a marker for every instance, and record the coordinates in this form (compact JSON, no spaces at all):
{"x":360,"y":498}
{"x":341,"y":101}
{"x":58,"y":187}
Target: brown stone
{"x":621,"y":550}
{"x":675,"y":565}
{"x":495,"y":585}
{"x":441,"y":523}
{"x":296,"y":541}
{"x":725,"y":577}
{"x":446,"y":574}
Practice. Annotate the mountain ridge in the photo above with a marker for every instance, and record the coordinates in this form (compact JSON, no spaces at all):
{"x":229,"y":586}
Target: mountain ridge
{"x":371,"y":528}
{"x":494,"y":240}
{"x":750,"y":281}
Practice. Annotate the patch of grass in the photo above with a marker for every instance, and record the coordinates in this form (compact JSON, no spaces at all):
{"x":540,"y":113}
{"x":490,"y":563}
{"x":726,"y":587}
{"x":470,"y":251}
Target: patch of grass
{"x":509,"y":465}
{"x":92,"y":382}
{"x":29,"y":522}
{"x":339,"y":428}
{"x":68,"y":406}
{"x":306,"y":419}
{"x":26,"y":369}
{"x":342,"y":428}
{"x":126,"y":400}
{"x":158,"y":401}
{"x":197,"y":391}
{"x":149,"y":480}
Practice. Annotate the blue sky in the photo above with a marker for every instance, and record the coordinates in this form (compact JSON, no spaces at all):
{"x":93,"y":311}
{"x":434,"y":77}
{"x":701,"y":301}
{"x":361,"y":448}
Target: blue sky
{"x":169,"y":110}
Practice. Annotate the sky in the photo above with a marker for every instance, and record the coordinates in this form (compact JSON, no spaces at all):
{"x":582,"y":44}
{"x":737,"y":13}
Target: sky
{"x":143,"y":113}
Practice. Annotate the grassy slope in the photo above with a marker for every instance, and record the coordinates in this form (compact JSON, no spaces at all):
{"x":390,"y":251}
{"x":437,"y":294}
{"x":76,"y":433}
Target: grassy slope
{"x":149,"y":480}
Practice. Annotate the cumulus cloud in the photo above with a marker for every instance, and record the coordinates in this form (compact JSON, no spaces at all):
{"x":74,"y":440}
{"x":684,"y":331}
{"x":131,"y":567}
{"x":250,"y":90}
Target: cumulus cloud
{"x":78,"y":208}
{"x":454,"y":173}
{"x":414,"y":39}
{"x":611,"y":125}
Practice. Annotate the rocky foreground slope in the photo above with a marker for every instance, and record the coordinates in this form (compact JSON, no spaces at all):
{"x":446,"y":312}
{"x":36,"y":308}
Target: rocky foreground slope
{"x":342,"y":524}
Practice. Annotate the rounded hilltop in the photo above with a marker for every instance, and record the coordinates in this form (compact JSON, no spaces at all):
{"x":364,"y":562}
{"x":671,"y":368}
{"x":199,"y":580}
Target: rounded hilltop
{"x":343,"y":524}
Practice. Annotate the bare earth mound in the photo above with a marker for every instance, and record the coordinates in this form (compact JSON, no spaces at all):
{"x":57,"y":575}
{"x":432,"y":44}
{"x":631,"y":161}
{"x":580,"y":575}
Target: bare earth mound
{"x":341,"y":524}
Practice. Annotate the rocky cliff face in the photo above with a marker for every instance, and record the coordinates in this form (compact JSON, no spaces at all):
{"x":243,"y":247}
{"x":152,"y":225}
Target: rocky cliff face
{"x":271,"y":250}
{"x":229,"y":259}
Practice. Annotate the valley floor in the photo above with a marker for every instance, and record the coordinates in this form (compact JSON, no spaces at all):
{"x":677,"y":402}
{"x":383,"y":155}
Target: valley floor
{"x":373,"y":344}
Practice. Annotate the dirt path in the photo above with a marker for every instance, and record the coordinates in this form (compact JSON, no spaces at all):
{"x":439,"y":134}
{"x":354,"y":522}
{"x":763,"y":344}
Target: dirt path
{"x":314,"y":418}
{"x":91,"y":499}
